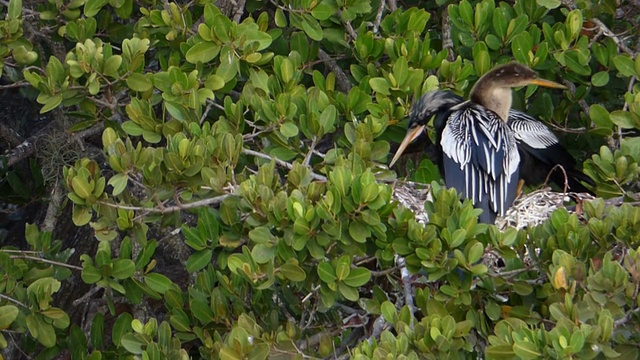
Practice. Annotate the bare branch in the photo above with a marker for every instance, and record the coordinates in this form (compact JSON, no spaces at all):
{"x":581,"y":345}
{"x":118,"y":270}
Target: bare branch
{"x":608,"y":33}
{"x":239,"y":10}
{"x":447,"y":42}
{"x":280,"y":163}
{"x":342,"y":79}
{"x":165,"y":210}
{"x":39,"y":259}
{"x":10,"y":299}
{"x":378,"y":20}
{"x":27,"y":148}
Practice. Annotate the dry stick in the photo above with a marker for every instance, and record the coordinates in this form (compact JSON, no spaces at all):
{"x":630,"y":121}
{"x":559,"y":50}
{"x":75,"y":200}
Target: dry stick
{"x":165,"y":210}
{"x":566,"y":178}
{"x":53,"y":209}
{"x":407,"y":288}
{"x":342,"y":78}
{"x":393,"y":5}
{"x":10,"y":299}
{"x":378,"y":20}
{"x":447,"y":42}
{"x":27,"y":148}
{"x":280,"y":163}
{"x":608,"y":33}
{"x":9,"y":135}
{"x":35,"y":258}
{"x":239,"y":10}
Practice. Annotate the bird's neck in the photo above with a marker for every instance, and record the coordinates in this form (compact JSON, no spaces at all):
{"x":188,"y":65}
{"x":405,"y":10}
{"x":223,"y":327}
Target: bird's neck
{"x":496,"y":99}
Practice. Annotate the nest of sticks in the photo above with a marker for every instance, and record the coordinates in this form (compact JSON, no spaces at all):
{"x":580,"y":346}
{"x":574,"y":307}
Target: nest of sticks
{"x":528,"y":210}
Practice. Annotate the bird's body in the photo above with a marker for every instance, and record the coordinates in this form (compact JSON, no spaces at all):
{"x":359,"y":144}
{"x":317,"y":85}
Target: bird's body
{"x":486,"y":169}
{"x":480,"y":156}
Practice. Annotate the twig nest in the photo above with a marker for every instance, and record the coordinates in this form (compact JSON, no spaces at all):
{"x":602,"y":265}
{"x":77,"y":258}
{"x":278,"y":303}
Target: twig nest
{"x":413,"y":195}
{"x":536,"y":207}
{"x":528,"y":210}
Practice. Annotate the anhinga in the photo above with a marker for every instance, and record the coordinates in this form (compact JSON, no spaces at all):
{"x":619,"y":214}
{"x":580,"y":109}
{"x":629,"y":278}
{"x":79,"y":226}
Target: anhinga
{"x":480,"y":156}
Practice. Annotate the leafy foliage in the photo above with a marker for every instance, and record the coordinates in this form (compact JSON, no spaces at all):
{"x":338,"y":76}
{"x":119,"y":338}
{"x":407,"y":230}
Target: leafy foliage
{"x":261,"y":140}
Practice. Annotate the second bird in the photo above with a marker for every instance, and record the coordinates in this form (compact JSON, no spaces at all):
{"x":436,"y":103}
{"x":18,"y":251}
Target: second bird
{"x":480,"y":153}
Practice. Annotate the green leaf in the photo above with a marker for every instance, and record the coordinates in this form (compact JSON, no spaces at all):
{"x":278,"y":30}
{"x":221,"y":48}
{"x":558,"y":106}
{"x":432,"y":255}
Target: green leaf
{"x":259,"y":79}
{"x":263,"y":253}
{"x":158,"y":282}
{"x":202,"y":52}
{"x":348,"y":292}
{"x":119,"y":183}
{"x":123,"y":268}
{"x":358,"y":277}
{"x":380,"y":85}
{"x":526,"y":350}
{"x":359,"y":232}
{"x":500,"y":352}
{"x":199,"y":260}
{"x":261,"y":235}
{"x":138,"y":82}
{"x":343,"y":267}
{"x":15,"y":9}
{"x":625,"y":65}
{"x":475,"y":252}
{"x":600,"y":79}
{"x":90,"y":274}
{"x":288,"y":129}
{"x":92,"y":7}
{"x":112,"y":65}
{"x":133,"y":343}
{"x":280,"y":18}
{"x":389,"y":311}
{"x":600,"y":116}
{"x":323,"y":11}
{"x":81,"y":215}
{"x":51,"y":103}
{"x":326,"y":272}
{"x":625,"y":119}
{"x":549,"y":4}
{"x":24,"y":56}
{"x":293,"y":272}
{"x":311,"y":27}
{"x":121,"y":327}
{"x":8,"y":313}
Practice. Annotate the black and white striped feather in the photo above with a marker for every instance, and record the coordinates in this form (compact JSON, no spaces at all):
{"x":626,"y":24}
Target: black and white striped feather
{"x":480,"y":158}
{"x":531,"y":131}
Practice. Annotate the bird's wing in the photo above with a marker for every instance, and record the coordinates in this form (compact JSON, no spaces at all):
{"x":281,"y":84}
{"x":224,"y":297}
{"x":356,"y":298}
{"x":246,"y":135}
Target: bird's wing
{"x":531,"y":131}
{"x":480,"y":159}
{"x":536,"y":141}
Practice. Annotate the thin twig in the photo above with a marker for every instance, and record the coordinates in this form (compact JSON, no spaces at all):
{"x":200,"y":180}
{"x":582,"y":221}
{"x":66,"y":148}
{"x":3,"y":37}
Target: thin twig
{"x":10,"y":299}
{"x":166,"y":210}
{"x":342,"y":79}
{"x":280,"y":163}
{"x":18,"y":84}
{"x":35,"y":258}
{"x":608,"y":33}
{"x":378,"y":20}
{"x":447,"y":42}
{"x":566,"y":178}
{"x":307,"y":158}
{"x":407,"y":287}
{"x":393,"y":5}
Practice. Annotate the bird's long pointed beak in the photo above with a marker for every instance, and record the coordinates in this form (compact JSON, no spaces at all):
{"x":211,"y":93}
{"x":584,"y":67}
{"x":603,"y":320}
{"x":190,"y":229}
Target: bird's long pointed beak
{"x":547,"y":83}
{"x":412,"y":134}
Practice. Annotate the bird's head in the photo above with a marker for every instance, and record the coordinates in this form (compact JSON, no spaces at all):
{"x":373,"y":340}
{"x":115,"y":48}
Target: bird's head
{"x":514,"y":75}
{"x":493,"y":89}
{"x":428,"y":105}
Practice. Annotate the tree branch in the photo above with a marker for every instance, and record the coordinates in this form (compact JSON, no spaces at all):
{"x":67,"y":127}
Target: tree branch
{"x":280,"y":163}
{"x":342,"y":79}
{"x":165,"y":210}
